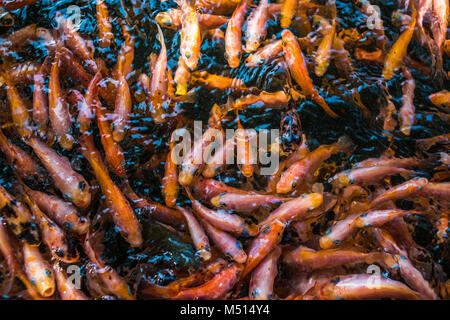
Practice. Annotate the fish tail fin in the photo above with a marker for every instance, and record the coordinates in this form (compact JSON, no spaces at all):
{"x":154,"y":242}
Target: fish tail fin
{"x":439,"y":72}
{"x":405,"y":173}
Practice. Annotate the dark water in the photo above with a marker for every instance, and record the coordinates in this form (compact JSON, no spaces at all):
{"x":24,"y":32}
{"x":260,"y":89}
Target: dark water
{"x":166,"y":254}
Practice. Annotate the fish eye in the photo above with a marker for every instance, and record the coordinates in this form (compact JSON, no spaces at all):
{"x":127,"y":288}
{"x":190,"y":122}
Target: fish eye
{"x":59,"y":252}
{"x":82,"y":185}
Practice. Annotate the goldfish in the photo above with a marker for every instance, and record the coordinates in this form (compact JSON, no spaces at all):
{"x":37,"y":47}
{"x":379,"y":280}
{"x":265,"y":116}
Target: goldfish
{"x":122,"y":110}
{"x":122,"y":213}
{"x":159,"y":83}
{"x":206,"y":189}
{"x":154,"y":209}
{"x":19,"y":112}
{"x":295,"y":156}
{"x":229,"y":245}
{"x":40,"y":100}
{"x":367,"y":176}
{"x":396,"y":54}
{"x":191,"y":164}
{"x":182,"y":77}
{"x":198,"y":235}
{"x":338,"y":232}
{"x":263,"y":276}
{"x":38,"y":270}
{"x":295,"y":209}
{"x":245,"y":203}
{"x":365,"y":286}
{"x":423,"y":6}
{"x":300,"y":171}
{"x":407,"y":110}
{"x":213,"y":81}
{"x":262,"y":245}
{"x":64,"y":213}
{"x":53,"y":236}
{"x":440,"y":13}
{"x":406,"y":189}
{"x":390,"y":162}
{"x":86,"y":109}
{"x":387,"y":242}
{"x":275,"y":100}
{"x":170,"y":180}
{"x":19,"y":218}
{"x":415,"y":279}
{"x":233,"y":35}
{"x":190,"y":35}
{"x":7,"y":250}
{"x":323,"y":52}
{"x":126,"y":54}
{"x":105,"y":35}
{"x":306,"y":260}
{"x":172,"y":20}
{"x":297,"y":66}
{"x":246,"y":155}
{"x":71,"y":184}
{"x":215,"y":288}
{"x":22,"y":162}
{"x":60,"y":118}
{"x":264,"y":53}
{"x":65,"y":286}
{"x":344,"y":228}
{"x":113,"y":151}
{"x":74,"y":69}
{"x":76,"y":43}
{"x":110,"y":278}
{"x":223,"y":220}
{"x":256,"y":26}
{"x":377,"y":218}
{"x":13,"y":265}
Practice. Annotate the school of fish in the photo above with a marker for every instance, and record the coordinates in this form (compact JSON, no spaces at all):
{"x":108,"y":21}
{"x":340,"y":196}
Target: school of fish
{"x":316,"y":228}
